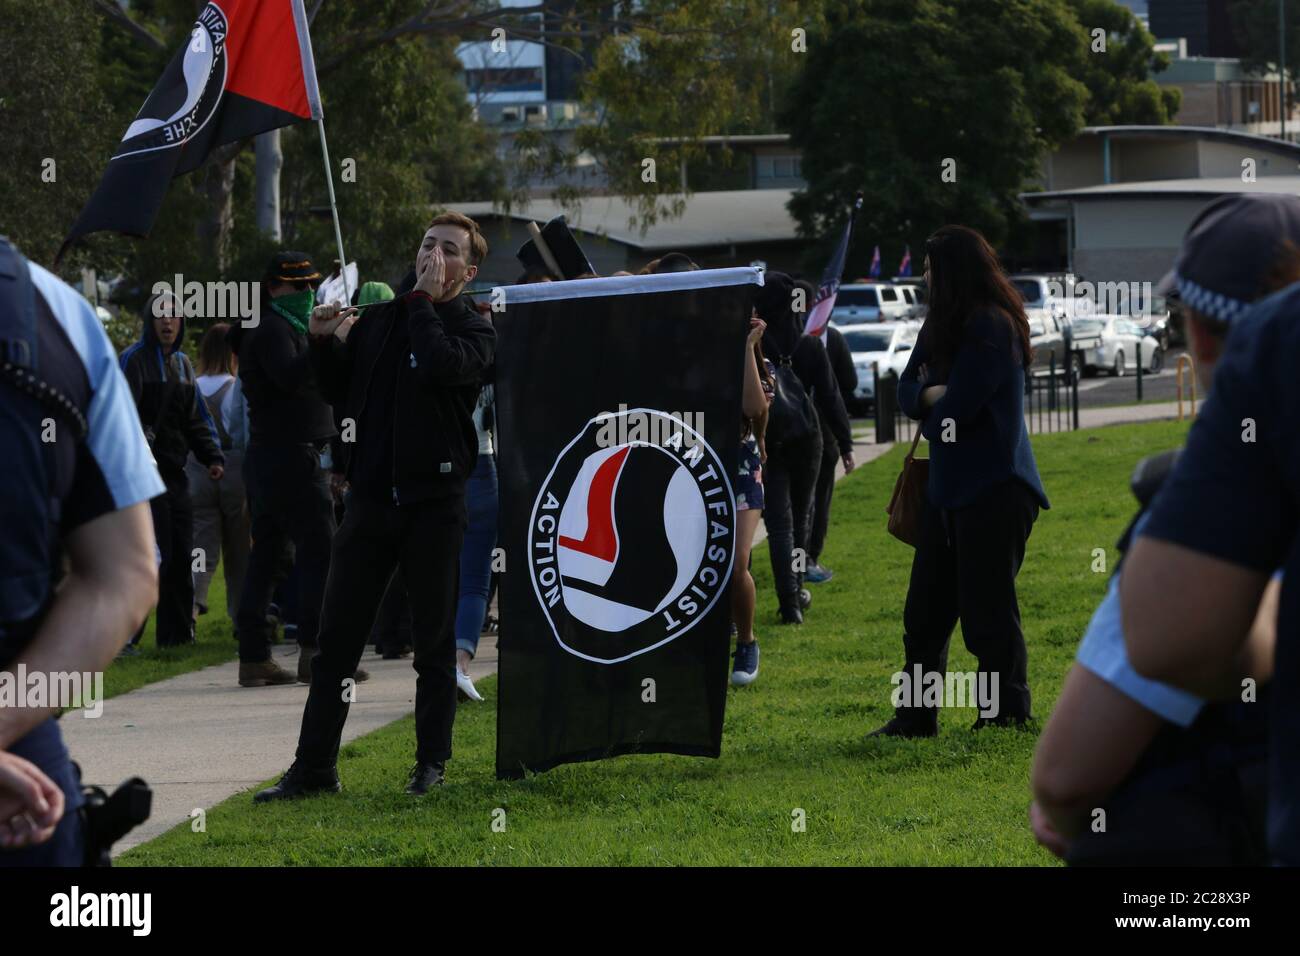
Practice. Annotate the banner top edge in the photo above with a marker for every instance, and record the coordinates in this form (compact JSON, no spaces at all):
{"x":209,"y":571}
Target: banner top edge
{"x":631,"y":285}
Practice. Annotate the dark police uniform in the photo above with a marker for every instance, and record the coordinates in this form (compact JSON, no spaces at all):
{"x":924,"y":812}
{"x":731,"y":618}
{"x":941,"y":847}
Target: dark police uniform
{"x":109,"y":469}
{"x":1243,"y":495}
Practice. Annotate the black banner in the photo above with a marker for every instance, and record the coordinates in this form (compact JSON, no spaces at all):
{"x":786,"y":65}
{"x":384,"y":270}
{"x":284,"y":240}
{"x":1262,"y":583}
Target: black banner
{"x":618,"y":403}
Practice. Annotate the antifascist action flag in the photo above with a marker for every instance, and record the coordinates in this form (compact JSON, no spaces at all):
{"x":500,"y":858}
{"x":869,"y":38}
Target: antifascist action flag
{"x":618,"y":403}
{"x":246,"y":68}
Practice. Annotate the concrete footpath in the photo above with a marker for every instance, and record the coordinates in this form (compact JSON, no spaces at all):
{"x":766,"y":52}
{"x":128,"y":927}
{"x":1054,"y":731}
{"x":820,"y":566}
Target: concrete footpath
{"x":200,"y":738}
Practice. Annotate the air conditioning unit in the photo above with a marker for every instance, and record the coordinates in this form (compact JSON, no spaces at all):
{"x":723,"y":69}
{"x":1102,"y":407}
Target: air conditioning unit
{"x":510,"y":114}
{"x":535,"y":113}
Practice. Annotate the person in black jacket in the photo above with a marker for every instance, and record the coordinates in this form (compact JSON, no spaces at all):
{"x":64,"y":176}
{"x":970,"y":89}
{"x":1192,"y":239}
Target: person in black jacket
{"x":288,"y":490}
{"x":176,"y":422}
{"x":790,"y":474}
{"x":407,"y":372}
{"x":846,"y":380}
{"x":965,"y":384}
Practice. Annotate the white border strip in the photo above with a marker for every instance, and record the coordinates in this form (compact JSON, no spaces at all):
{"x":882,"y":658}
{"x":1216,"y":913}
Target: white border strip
{"x":308,"y":60}
{"x":630,"y":285}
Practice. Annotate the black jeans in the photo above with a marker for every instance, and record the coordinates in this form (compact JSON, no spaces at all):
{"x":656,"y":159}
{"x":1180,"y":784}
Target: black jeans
{"x":392,"y":630}
{"x":789,"y":479}
{"x":965,"y":567}
{"x":289,"y":496}
{"x":173,"y":528}
{"x":821,"y":517}
{"x":422,"y":541}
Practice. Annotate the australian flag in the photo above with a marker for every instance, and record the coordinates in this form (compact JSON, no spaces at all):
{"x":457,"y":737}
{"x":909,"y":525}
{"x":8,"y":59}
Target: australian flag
{"x":874,"y":271}
{"x":819,"y":315}
{"x":246,"y":68}
{"x":905,"y":267}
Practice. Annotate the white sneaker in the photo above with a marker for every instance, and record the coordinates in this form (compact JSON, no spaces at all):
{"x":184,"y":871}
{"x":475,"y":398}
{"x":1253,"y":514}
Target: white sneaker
{"x":466,"y":686}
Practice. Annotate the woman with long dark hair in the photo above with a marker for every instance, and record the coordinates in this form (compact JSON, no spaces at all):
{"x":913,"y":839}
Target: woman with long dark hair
{"x":965,"y":384}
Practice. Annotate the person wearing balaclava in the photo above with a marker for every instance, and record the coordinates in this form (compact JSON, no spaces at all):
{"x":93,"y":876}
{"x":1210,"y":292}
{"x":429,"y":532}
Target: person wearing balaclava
{"x":290,"y":425}
{"x":176,"y":422}
{"x":790,"y":474}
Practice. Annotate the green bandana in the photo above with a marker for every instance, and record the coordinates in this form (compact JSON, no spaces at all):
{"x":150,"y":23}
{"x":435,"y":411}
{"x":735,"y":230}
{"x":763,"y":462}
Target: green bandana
{"x":296,"y":308}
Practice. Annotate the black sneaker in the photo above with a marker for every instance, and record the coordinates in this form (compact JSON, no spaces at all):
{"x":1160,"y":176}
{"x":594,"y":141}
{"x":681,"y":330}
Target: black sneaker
{"x":745,"y":670}
{"x":790,"y":614}
{"x":424,"y":777}
{"x":900,"y":728}
{"x":299,"y":782}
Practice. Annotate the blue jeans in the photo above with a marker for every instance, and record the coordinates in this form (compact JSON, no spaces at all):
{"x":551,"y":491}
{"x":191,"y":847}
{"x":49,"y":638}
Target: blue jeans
{"x":44,"y":747}
{"x":476,"y":553}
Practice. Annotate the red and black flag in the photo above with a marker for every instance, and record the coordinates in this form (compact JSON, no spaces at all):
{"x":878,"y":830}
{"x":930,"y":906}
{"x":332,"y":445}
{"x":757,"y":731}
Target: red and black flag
{"x":618,"y":404}
{"x":246,"y":68}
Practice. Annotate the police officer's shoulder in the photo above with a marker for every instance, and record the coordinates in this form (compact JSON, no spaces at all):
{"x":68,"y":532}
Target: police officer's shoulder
{"x":77,"y":319}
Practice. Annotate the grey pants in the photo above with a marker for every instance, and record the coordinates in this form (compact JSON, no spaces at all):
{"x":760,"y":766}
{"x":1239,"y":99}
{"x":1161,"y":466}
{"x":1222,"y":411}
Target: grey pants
{"x":220,"y":527}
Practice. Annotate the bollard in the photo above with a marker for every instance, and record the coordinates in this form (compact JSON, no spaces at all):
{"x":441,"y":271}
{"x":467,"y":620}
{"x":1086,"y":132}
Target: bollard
{"x":1191,"y":368}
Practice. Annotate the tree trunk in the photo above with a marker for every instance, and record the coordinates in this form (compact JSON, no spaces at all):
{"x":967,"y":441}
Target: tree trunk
{"x":269,"y":161}
{"x":219,"y":186}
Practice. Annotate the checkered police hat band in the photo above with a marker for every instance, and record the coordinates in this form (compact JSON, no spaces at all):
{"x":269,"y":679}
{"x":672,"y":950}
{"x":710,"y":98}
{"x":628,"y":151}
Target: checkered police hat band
{"x":1213,"y":304}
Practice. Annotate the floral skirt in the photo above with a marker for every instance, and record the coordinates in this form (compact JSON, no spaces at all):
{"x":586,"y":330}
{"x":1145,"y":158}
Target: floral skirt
{"x":749,"y":477}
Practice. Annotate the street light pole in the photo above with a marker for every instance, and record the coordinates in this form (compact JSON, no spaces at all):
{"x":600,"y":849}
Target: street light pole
{"x":1281,"y":56}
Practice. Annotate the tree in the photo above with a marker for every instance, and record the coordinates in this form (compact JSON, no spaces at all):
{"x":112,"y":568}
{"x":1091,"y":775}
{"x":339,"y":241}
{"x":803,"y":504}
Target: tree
{"x":1255,"y":24}
{"x":51,"y":153}
{"x":1119,"y":66}
{"x":950,"y":132}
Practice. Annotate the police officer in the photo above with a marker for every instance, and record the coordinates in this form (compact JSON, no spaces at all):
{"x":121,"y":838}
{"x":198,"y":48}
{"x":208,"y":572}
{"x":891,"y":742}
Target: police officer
{"x":79,"y":478}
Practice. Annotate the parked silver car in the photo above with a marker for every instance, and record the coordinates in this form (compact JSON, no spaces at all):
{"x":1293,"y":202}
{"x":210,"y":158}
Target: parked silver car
{"x":869,"y":302}
{"x":1115,"y":343}
{"x":885,"y":345}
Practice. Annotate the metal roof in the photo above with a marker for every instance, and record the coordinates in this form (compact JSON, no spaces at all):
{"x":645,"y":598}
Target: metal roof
{"x":1172,"y":188}
{"x":1193,"y":132}
{"x":710,"y":219}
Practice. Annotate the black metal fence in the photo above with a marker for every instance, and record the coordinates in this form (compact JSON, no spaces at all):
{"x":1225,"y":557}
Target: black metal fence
{"x":1051,"y":402}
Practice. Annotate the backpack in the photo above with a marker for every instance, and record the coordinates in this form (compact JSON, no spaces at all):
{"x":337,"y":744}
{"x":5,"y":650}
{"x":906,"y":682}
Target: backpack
{"x":790,"y":417}
{"x":30,"y":511}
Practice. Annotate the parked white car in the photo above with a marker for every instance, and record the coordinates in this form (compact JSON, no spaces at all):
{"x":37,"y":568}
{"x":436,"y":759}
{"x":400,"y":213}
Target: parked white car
{"x":870,"y":302}
{"x":887,"y":345}
{"x":914,"y":296}
{"x":1116,"y":344}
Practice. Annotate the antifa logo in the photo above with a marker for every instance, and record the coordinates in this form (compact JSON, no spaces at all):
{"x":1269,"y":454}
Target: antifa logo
{"x":631,"y":545}
{"x":188,"y":93}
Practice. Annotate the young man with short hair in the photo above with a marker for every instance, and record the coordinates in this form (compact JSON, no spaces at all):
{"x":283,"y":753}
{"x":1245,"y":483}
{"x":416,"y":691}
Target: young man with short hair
{"x":407,"y":373}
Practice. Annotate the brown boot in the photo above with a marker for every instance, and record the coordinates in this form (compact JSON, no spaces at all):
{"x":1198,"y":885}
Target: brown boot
{"x":262,"y":673}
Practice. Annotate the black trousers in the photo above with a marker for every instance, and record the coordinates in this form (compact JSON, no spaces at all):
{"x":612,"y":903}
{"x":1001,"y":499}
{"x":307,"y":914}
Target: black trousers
{"x":821,"y":517}
{"x":392,"y":630}
{"x":173,"y":528}
{"x":289,"y":497}
{"x":965,"y":568}
{"x":423,"y":542}
{"x":789,"y":479}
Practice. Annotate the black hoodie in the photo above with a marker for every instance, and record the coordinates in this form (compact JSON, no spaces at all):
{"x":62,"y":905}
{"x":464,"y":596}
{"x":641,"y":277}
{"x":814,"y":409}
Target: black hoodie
{"x":172,"y":411}
{"x":784,"y":337}
{"x":284,"y":403}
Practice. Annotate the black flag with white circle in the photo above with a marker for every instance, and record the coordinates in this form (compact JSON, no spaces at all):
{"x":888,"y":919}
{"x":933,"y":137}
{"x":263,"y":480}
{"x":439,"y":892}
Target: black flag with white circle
{"x":618,"y":409}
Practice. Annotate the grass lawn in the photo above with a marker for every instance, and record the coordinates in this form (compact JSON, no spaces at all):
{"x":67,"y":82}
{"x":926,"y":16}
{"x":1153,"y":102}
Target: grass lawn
{"x":794,"y":741}
{"x":214,"y":644}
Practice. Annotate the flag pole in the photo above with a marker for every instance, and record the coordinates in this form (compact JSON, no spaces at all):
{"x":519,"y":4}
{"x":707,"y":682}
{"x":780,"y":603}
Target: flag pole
{"x":334,"y":207}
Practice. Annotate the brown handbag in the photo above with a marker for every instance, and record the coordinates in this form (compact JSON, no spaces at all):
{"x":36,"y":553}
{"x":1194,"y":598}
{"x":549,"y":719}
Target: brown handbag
{"x":905,"y":506}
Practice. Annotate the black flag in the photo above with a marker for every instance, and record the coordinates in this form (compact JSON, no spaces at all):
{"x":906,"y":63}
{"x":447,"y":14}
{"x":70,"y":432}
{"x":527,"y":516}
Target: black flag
{"x":564,"y":247}
{"x":245,"y":68}
{"x":619,"y":404}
